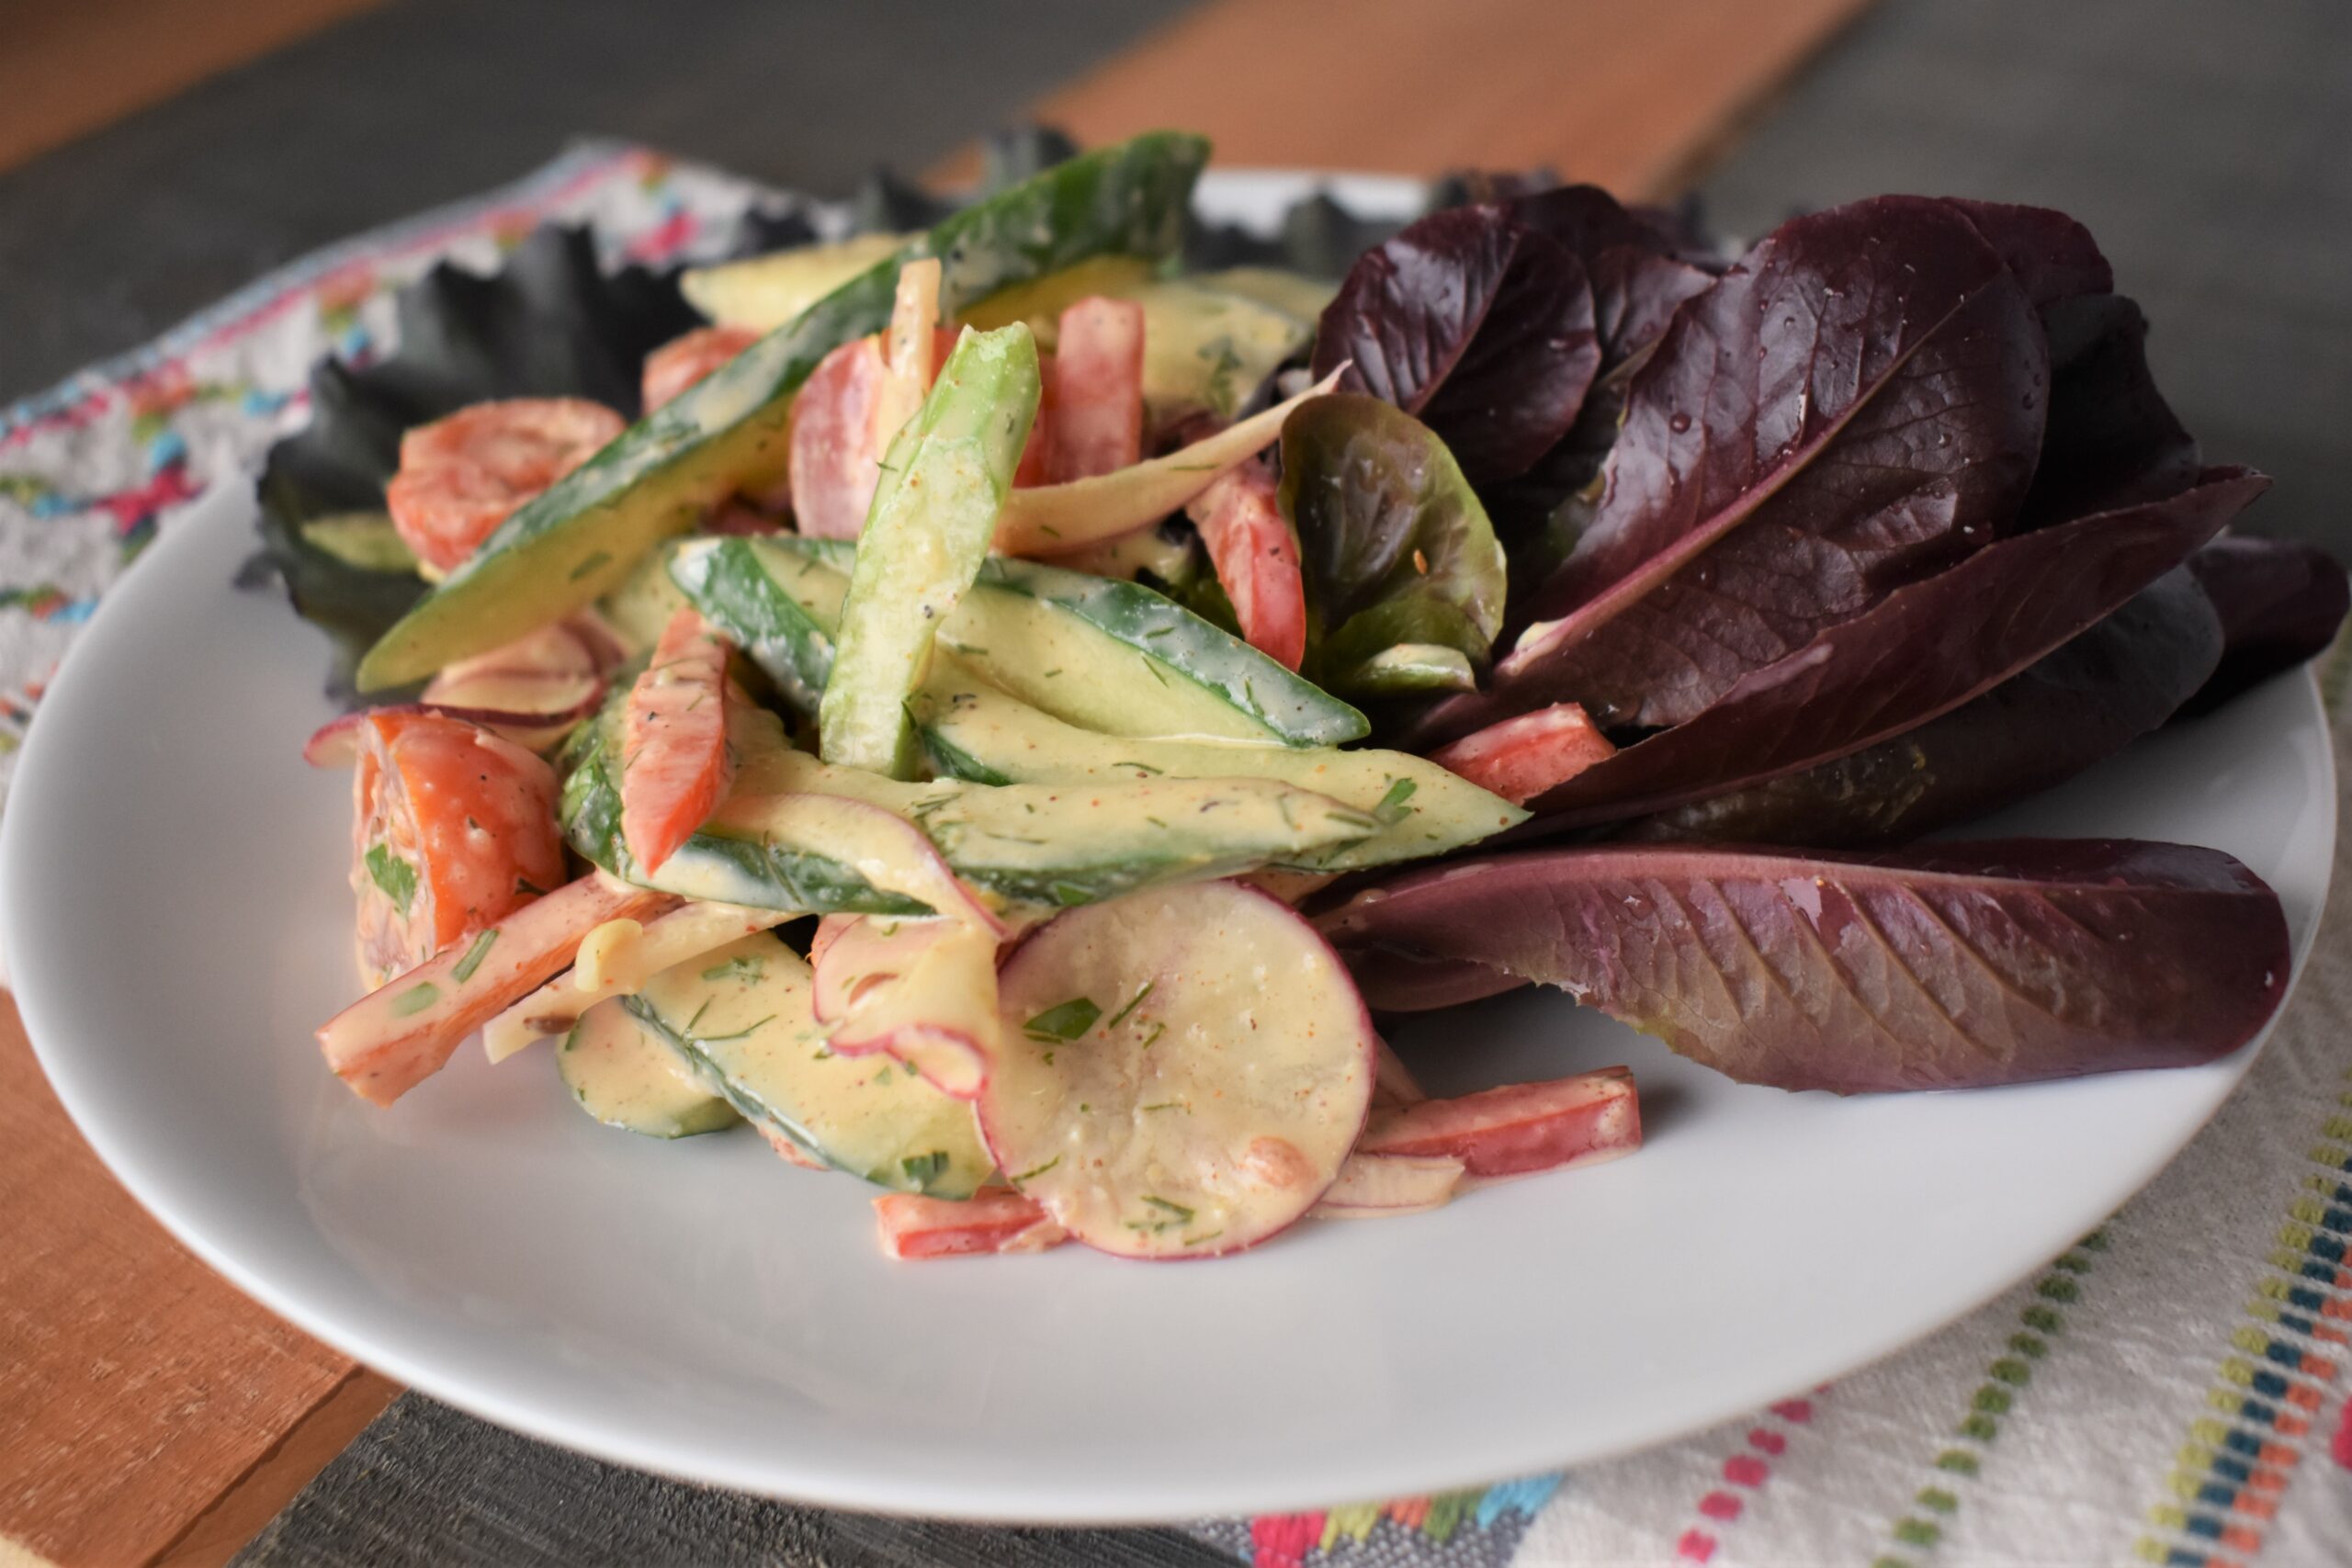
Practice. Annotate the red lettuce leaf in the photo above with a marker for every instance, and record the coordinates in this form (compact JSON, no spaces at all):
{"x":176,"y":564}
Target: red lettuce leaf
{"x":1947,"y":966}
{"x":1481,"y":328}
{"x":1632,"y":259}
{"x":1921,"y":651}
{"x":2280,"y":603}
{"x":1857,"y":404}
{"x":2074,"y":707}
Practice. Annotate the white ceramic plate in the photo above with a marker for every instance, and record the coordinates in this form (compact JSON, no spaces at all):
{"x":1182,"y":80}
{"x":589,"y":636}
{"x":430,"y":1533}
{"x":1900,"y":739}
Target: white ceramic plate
{"x":173,"y":891}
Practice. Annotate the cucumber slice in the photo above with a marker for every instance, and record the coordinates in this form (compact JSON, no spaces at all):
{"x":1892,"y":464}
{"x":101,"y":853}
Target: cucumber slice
{"x":975,"y":732}
{"x":1052,"y":845}
{"x":626,"y":1078}
{"x":1182,"y":1072}
{"x":580,"y":539}
{"x":943,"y":482}
{"x":762,"y":293}
{"x":741,"y":1015}
{"x":1111,"y":656}
{"x":643,"y":604}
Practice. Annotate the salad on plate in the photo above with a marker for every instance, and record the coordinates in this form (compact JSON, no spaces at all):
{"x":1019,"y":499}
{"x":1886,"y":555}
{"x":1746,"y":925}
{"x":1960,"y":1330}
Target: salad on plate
{"x":1002,"y":708}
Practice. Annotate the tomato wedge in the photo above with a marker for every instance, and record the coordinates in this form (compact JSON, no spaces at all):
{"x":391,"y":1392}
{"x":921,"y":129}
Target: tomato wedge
{"x":1520,"y":758}
{"x":674,"y":766}
{"x":1256,"y":556}
{"x":459,"y":476}
{"x":683,"y":361}
{"x":1098,"y":391}
{"x":452,"y":828}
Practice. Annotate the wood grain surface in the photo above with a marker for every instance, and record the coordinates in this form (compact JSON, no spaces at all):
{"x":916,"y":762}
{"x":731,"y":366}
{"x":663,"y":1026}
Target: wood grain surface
{"x":149,"y":1413}
{"x":70,"y":68}
{"x":1634,"y":97}
{"x":138,"y":1388}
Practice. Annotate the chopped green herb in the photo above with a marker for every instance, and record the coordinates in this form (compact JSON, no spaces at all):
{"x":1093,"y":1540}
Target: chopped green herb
{"x":1178,"y":1209}
{"x":524,"y":884}
{"x":1159,"y":631}
{"x":1069,"y":894}
{"x":1134,"y":1002}
{"x":689,"y":1029}
{"x":1392,"y":809}
{"x":394,"y":875}
{"x":1153,"y":666}
{"x":1196,"y":1240}
{"x":925,"y":1169}
{"x":1153,"y":1038}
{"x":1168,"y":1105}
{"x":1051,"y":673}
{"x":1066,"y":1022}
{"x":600,"y":557}
{"x":415,"y":999}
{"x":474,"y":955}
{"x":1036,"y":1170}
{"x":742,"y":967}
{"x":1141,"y":768}
{"x":880,"y":1078}
{"x":739,"y":1035}
{"x":1157,"y":823}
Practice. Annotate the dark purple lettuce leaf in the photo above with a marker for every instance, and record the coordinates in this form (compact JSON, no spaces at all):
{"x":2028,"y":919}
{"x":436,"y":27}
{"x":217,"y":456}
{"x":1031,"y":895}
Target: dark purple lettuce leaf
{"x":1855,"y":405}
{"x":2280,"y":603}
{"x":1946,"y":966}
{"x":2074,"y":707}
{"x":1480,"y":328}
{"x":1921,"y":651}
{"x":1631,"y":256}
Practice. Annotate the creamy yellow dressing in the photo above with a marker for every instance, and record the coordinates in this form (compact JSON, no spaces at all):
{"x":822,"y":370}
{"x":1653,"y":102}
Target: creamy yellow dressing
{"x":625,"y":1077}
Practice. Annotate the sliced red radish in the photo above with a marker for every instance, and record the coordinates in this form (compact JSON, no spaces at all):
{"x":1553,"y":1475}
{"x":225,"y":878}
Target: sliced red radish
{"x":1182,"y":1070}
{"x":1520,"y":758}
{"x":399,"y":1034}
{"x":533,"y":690}
{"x":1518,"y":1128}
{"x":452,"y":826}
{"x":1392,"y":1083}
{"x":1047,"y":520}
{"x":992,"y":1221}
{"x":920,"y":991}
{"x":1375,"y":1186}
{"x":1256,"y":556}
{"x":674,"y":762}
{"x":683,"y":361}
{"x":615,"y":959}
{"x":1098,"y":391}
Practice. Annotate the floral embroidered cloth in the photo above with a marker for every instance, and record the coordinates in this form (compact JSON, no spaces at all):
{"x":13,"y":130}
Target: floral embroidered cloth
{"x":2172,"y":1390}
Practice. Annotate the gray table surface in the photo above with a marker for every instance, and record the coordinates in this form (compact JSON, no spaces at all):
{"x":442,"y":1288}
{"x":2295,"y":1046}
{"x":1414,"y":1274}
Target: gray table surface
{"x":2204,"y":143}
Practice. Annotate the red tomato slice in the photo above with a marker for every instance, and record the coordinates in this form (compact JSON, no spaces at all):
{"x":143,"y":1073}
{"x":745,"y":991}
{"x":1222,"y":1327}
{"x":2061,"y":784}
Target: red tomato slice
{"x":675,"y":767}
{"x":1256,"y":556}
{"x":992,"y":1220}
{"x":453,"y":827}
{"x":1098,"y":391}
{"x":683,"y":361}
{"x":1520,"y":758}
{"x":460,"y":477}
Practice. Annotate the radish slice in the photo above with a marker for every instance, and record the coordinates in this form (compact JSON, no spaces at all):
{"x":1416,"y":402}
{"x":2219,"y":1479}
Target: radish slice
{"x":1520,"y":758}
{"x":993,"y":1221}
{"x":615,"y":959}
{"x":1053,"y":519}
{"x":1392,"y":1083}
{"x":1098,"y":391}
{"x":683,"y":361}
{"x":833,"y":462}
{"x":1518,"y":1128}
{"x":1375,"y":1186}
{"x":1182,"y":1072}
{"x":920,"y":991}
{"x":399,"y":1034}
